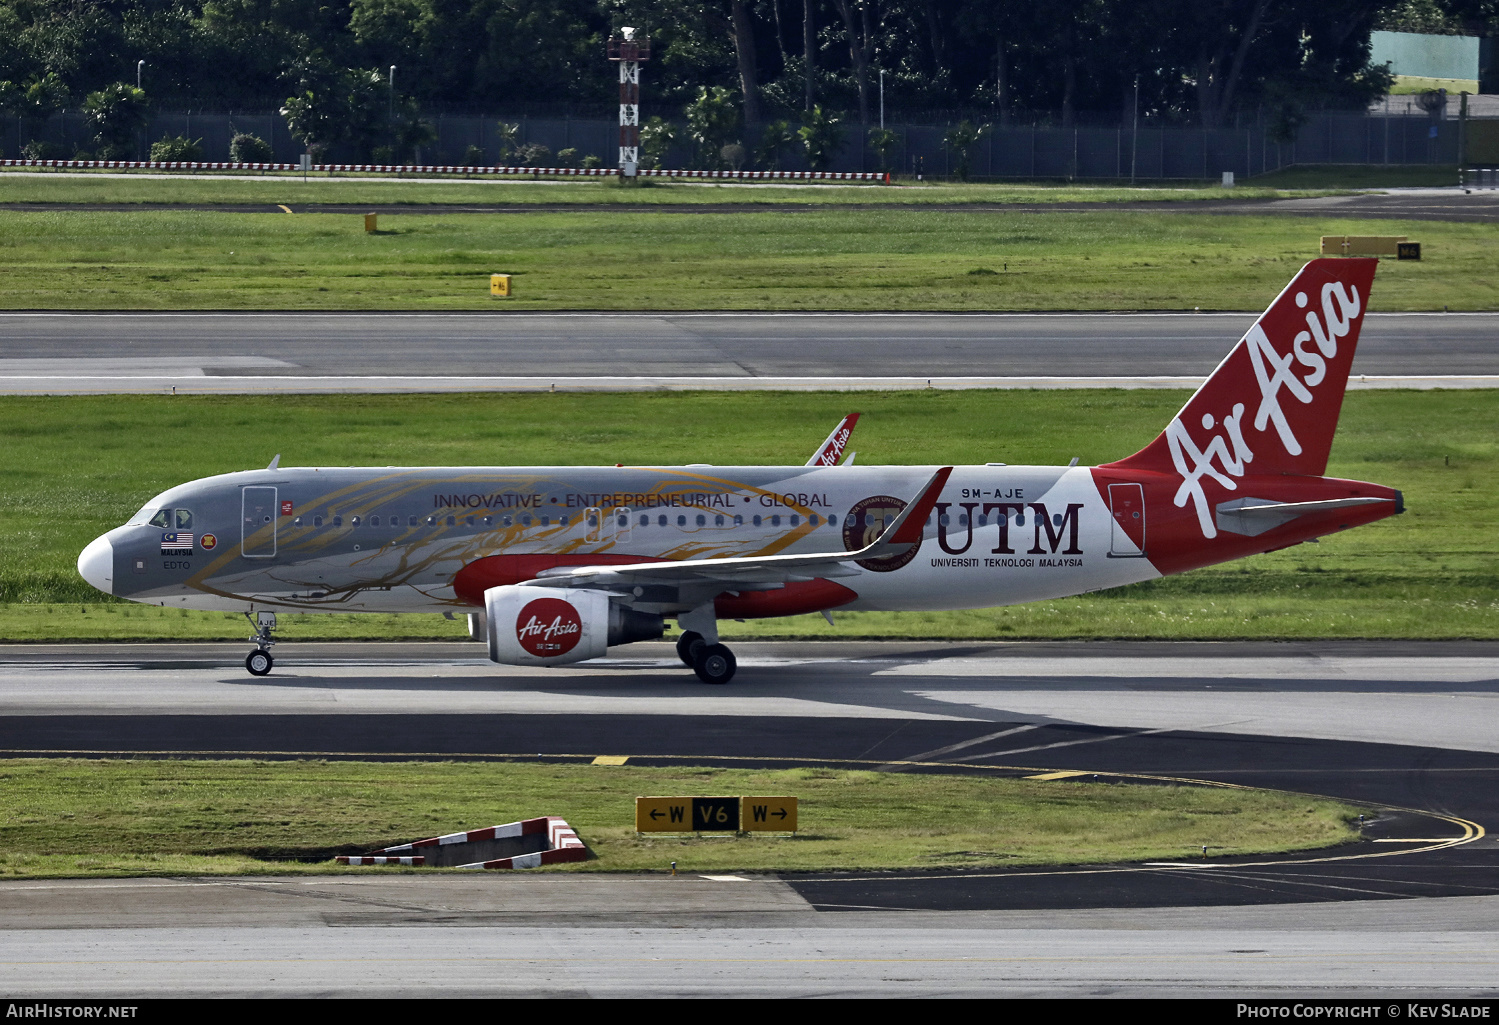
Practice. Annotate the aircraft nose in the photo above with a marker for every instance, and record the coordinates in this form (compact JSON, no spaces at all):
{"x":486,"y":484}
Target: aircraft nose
{"x":96,"y":564}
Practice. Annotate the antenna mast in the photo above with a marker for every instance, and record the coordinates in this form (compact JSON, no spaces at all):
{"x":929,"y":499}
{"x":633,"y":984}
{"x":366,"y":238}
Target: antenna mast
{"x":630,"y":47}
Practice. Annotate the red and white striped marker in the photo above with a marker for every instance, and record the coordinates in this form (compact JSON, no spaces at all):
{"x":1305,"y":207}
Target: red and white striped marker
{"x":562,"y":842}
{"x":566,"y":172}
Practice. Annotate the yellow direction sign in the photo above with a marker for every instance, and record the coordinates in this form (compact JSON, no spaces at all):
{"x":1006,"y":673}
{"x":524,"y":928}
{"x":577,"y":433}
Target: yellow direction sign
{"x":768,"y":814}
{"x":663,"y":814}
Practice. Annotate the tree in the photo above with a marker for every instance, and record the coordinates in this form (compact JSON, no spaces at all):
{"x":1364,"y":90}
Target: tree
{"x":884,"y":141}
{"x":115,"y":114}
{"x":313,"y":121}
{"x":245,"y":148}
{"x":821,"y":136}
{"x":775,"y":140}
{"x":712,"y":121}
{"x":656,"y":138}
{"x":860,"y":49}
{"x":507,"y":137}
{"x":12,"y":99}
{"x":742,"y":29}
{"x":959,"y":142}
{"x":46,"y":95}
{"x":179,"y":148}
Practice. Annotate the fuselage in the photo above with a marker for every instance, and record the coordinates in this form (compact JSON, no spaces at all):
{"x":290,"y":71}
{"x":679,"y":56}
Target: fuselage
{"x":433,"y":539}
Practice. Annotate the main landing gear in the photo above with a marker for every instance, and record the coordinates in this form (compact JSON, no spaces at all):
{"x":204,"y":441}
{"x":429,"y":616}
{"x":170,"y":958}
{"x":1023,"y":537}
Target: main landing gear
{"x":713,"y":663}
{"x":259,"y":661}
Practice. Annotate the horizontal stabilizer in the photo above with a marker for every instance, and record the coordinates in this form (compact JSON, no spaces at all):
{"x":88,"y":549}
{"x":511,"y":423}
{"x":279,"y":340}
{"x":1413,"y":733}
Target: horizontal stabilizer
{"x":1254,"y":516}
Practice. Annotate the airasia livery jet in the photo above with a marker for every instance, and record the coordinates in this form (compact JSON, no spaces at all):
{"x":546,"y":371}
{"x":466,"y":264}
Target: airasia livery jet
{"x":554,"y":564}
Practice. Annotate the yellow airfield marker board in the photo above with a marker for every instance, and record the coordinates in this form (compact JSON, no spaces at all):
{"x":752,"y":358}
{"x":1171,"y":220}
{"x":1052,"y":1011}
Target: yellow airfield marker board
{"x":767,"y":814}
{"x":663,"y":814}
{"x":715,"y":814}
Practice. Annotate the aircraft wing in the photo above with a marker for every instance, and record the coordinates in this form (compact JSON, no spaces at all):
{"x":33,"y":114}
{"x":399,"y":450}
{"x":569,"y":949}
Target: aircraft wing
{"x":905,"y":530}
{"x":831,"y":450}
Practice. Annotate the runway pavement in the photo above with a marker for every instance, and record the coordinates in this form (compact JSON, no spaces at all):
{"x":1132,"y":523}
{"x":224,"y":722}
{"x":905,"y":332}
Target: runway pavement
{"x":314,"y":352}
{"x":1403,"y":729}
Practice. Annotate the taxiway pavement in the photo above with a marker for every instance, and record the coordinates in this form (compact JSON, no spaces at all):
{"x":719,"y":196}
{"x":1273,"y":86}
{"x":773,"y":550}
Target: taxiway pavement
{"x":1403,"y":729}
{"x":323,"y":352}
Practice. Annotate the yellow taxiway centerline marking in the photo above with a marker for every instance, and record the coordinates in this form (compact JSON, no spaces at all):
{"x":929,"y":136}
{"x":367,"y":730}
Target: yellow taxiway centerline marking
{"x":1058,"y":775}
{"x":610,"y":760}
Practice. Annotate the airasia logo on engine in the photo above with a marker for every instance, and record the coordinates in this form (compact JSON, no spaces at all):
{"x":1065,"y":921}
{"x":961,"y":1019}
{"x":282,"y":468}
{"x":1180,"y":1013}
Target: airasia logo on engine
{"x":548,"y":627}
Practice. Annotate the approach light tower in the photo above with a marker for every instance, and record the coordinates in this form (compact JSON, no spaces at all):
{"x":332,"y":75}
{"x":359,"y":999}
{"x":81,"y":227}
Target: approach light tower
{"x":629,"y":48}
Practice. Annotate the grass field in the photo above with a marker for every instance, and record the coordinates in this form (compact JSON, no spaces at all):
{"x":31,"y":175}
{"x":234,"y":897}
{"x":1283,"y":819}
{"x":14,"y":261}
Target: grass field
{"x":114,"y":187}
{"x":817,"y":259}
{"x":1358,"y":176}
{"x":94,"y":818}
{"x":78,"y":466}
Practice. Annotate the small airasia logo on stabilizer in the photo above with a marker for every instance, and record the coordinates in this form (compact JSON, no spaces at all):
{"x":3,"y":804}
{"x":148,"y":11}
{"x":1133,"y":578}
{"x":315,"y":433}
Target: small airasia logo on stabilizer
{"x":548,"y":627}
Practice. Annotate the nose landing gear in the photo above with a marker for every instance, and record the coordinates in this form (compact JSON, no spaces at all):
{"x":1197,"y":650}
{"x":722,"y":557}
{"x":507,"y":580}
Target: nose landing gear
{"x":259,"y":662}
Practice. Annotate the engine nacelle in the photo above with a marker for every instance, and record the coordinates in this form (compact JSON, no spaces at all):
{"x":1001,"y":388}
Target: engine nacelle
{"x":546,"y":626}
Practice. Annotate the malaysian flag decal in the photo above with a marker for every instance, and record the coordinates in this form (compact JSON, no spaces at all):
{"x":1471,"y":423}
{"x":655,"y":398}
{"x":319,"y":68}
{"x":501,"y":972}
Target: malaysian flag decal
{"x":176,"y":543}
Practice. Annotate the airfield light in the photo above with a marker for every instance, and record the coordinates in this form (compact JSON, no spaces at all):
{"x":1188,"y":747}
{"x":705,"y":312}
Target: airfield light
{"x":138,"y":66}
{"x":629,"y":48}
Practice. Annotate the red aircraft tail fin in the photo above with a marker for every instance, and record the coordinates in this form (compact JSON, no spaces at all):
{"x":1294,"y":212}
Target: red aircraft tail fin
{"x":1274,"y":401}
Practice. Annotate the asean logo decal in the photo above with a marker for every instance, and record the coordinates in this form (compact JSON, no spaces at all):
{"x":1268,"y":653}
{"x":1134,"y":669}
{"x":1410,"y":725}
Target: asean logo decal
{"x":548,"y":627}
{"x":864,"y":524}
{"x":209,"y":542}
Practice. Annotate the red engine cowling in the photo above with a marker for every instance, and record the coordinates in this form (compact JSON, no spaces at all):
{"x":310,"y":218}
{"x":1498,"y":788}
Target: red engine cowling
{"x":545,"y":626}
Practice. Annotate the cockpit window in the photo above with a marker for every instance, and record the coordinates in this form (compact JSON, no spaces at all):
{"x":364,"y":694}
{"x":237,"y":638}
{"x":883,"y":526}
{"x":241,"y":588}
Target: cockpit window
{"x":184,"y":518}
{"x":162,"y":519}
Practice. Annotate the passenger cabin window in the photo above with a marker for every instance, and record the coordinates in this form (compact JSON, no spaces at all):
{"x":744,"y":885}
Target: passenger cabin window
{"x":317,"y":521}
{"x":661,"y":520}
{"x":468,"y":521}
{"x":296,"y":521}
{"x":354,"y":522}
{"x":338,"y":521}
{"x":184,"y":519}
{"x":812,"y":519}
{"x":412,"y":521}
{"x":452,"y":521}
{"x":489,"y":521}
{"x":162,"y":519}
{"x":374,"y":521}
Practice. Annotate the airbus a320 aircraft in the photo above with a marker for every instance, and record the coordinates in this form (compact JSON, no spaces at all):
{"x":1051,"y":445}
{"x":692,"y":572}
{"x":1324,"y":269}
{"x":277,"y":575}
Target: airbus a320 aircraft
{"x":555,"y":564}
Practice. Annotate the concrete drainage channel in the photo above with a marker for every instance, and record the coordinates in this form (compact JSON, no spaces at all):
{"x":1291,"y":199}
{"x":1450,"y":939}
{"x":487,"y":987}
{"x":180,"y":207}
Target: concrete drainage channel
{"x":528,"y":843}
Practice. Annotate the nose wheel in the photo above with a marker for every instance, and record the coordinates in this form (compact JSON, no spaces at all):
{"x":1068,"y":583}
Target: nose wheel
{"x":259,"y":662}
